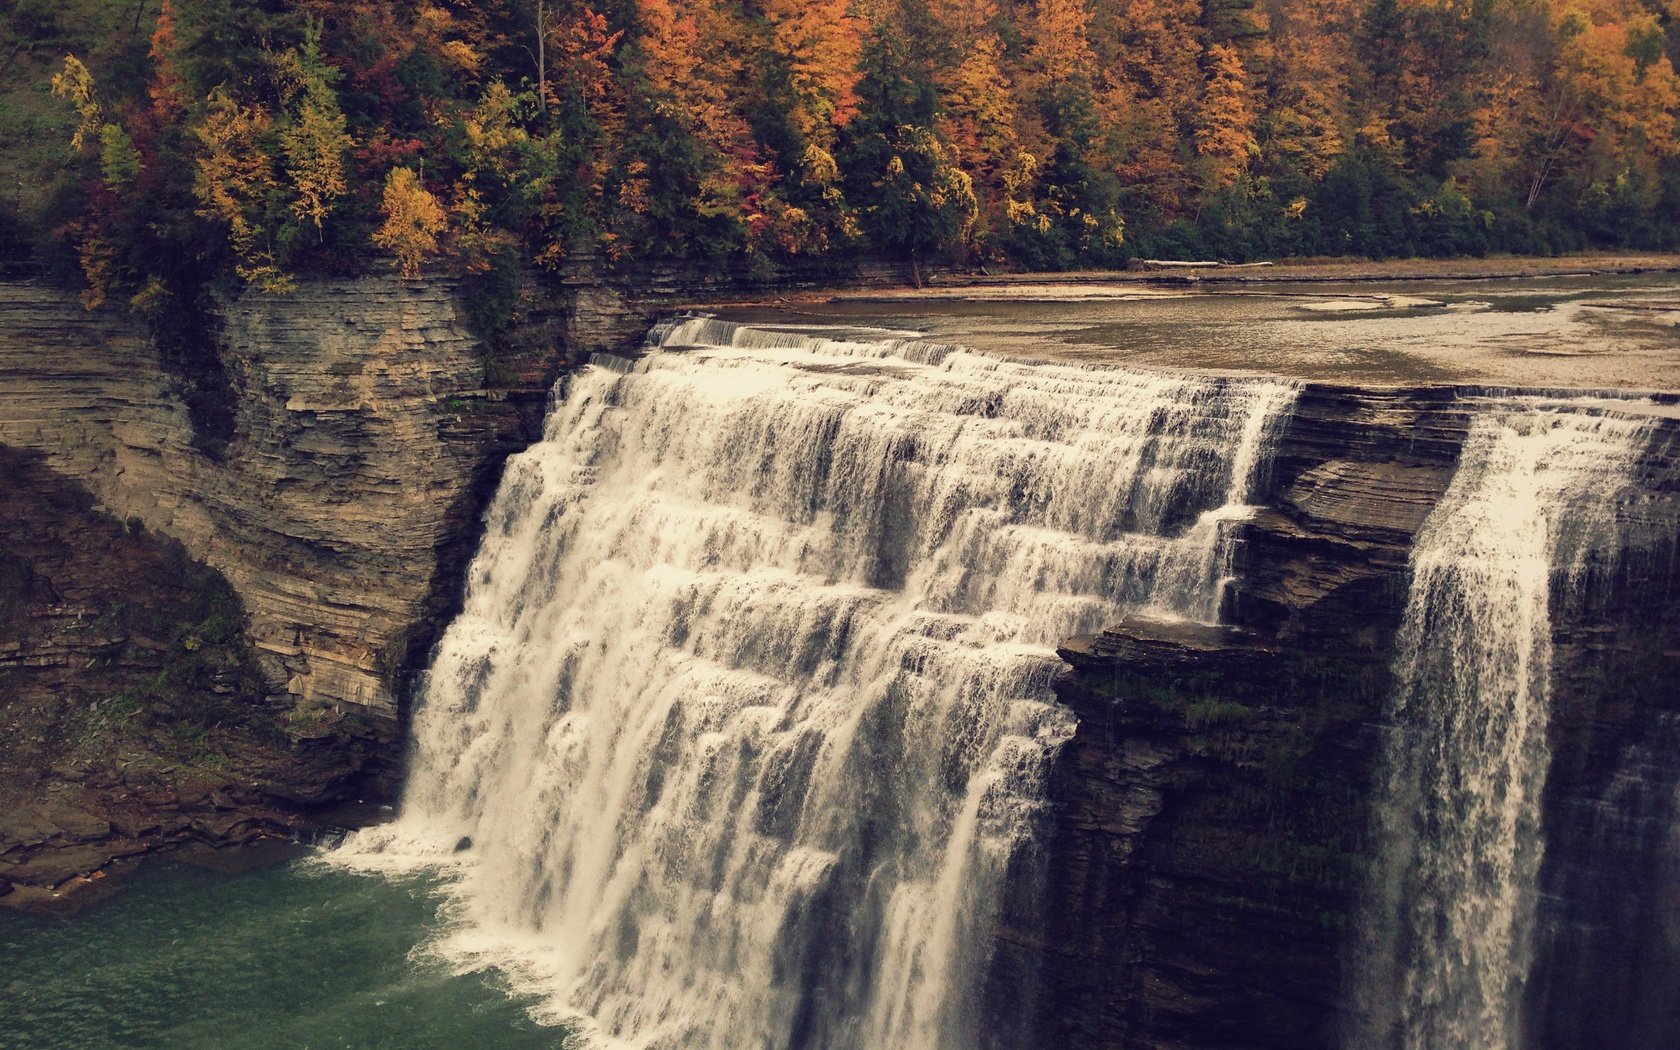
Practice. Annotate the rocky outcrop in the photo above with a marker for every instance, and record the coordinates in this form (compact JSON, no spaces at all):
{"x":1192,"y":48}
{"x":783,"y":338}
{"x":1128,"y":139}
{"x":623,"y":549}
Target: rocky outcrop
{"x":1213,"y":831}
{"x":362,"y":428}
{"x":364,"y":438}
{"x":130,"y":704}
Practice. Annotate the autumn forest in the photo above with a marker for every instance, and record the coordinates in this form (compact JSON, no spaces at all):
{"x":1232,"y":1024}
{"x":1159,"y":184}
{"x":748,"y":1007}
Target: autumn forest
{"x":155,"y":144}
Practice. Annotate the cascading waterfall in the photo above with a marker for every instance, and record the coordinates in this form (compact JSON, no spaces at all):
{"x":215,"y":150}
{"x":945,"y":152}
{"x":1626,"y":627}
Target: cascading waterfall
{"x":747,"y":711}
{"x":1531,"y":511}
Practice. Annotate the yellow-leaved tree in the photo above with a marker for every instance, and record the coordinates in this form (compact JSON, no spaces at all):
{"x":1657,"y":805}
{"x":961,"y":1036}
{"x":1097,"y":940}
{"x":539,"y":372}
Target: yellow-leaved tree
{"x":235,"y":184}
{"x":822,"y":40}
{"x":1225,"y":122}
{"x":315,"y":140}
{"x":1061,"y":43}
{"x":1308,"y":108}
{"x":119,"y":164}
{"x":414,"y":220}
{"x":75,"y":84}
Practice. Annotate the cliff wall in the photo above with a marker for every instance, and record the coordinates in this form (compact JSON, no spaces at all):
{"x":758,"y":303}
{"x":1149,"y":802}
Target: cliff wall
{"x":362,"y":428}
{"x":1214,"y":829}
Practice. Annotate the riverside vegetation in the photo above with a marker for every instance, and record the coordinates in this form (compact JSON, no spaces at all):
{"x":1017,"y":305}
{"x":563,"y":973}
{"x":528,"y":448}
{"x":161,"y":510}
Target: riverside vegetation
{"x":256,"y":142}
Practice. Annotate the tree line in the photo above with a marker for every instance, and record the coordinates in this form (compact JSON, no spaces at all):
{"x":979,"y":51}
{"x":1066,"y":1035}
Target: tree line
{"x":274,"y":138}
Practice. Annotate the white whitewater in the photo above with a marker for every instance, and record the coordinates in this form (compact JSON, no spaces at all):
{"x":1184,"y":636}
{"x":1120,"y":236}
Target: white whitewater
{"x":1531,"y":513}
{"x":747,"y":712}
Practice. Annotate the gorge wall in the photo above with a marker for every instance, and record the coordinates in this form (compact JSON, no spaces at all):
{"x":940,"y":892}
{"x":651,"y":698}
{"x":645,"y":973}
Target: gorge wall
{"x":1218,"y":844}
{"x":362,"y":426}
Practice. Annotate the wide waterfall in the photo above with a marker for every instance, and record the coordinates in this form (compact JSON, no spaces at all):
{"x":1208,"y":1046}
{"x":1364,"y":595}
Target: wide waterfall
{"x":743,"y":725}
{"x":1530,"y":518}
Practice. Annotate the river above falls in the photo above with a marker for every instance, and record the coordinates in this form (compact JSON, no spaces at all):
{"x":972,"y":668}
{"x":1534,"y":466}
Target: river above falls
{"x":1599,"y":332}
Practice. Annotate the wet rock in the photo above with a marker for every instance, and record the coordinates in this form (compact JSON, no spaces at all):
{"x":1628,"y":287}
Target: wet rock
{"x":52,"y":867}
{"x":34,"y":825}
{"x":25,"y":826}
{"x":135,"y":825}
{"x":75,"y":825}
{"x":221,"y":830}
{"x":1212,"y":822}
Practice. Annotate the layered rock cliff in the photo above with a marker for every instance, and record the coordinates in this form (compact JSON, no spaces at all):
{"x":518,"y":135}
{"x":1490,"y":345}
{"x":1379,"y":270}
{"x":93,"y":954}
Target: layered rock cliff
{"x":1215,"y":820}
{"x":130,"y":703}
{"x":363,"y":427}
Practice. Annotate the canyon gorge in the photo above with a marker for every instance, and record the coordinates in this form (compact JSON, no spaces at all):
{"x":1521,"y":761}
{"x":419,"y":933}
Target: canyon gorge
{"x":801,"y":666}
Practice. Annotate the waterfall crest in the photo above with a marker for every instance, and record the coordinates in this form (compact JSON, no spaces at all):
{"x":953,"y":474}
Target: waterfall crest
{"x":747,"y":710}
{"x":1531,"y":512}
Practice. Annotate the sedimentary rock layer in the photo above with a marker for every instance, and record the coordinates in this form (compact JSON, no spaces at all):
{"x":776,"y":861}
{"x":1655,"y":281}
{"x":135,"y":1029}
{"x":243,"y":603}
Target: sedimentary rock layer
{"x":1216,"y":831}
{"x":363,"y":434}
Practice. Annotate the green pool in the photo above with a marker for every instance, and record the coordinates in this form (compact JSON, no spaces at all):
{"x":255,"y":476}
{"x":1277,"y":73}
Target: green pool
{"x":292,"y":955}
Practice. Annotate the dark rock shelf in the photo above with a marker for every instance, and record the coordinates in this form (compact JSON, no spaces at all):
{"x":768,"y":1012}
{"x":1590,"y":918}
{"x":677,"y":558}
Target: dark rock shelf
{"x":1213,"y":811}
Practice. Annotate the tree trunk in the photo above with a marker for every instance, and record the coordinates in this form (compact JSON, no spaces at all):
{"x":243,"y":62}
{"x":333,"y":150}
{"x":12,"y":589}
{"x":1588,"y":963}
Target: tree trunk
{"x":542,"y":57}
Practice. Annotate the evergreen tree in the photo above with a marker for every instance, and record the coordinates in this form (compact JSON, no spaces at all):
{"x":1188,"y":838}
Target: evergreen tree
{"x":900,"y":175}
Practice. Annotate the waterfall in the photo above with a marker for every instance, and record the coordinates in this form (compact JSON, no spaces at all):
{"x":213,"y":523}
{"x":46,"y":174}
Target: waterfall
{"x":747,"y":712}
{"x":1531,"y":513}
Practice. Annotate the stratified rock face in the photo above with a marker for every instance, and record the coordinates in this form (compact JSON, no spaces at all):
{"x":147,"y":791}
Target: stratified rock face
{"x":1215,"y":835}
{"x":1211,"y":804}
{"x":345,"y":503}
{"x":129,"y":701}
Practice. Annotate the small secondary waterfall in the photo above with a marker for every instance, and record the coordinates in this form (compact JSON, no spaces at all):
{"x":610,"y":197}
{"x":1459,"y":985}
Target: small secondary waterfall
{"x":1530,"y":516}
{"x":747,"y":710}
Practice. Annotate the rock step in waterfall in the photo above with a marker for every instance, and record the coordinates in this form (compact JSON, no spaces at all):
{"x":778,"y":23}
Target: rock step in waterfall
{"x":747,"y":711}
